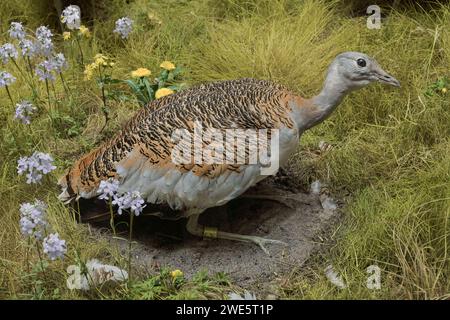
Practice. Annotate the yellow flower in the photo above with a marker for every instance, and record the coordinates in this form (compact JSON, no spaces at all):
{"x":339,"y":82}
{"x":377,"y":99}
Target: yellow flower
{"x":444,"y":90}
{"x":66,"y":35}
{"x":167,"y":65}
{"x":140,"y":72}
{"x":153,"y":18}
{"x":89,"y":71}
{"x":99,"y":55}
{"x":85,"y":31}
{"x":100,"y":62}
{"x":176,"y":274}
{"x":163,"y":92}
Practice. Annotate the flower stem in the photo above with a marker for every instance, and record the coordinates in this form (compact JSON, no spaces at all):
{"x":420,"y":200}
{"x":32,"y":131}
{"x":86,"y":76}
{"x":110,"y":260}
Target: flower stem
{"x":41,"y":261}
{"x":33,"y":87}
{"x":129,"y":245}
{"x":52,"y":120}
{"x":64,"y":83}
{"x":111,"y":221}
{"x":48,"y":95}
{"x":81,"y":51}
{"x":26,"y":256}
{"x":9,"y":95}
{"x":23,"y":75}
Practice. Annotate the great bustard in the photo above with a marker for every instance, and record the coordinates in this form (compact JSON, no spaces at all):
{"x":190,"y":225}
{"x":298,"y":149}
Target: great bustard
{"x":140,"y":155}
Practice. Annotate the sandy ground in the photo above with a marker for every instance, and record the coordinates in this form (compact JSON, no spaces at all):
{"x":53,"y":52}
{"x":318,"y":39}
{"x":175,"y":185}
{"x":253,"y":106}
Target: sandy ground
{"x":299,"y":221}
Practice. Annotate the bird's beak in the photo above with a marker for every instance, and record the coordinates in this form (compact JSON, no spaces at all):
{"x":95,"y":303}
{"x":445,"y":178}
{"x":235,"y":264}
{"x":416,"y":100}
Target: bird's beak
{"x":384,"y":77}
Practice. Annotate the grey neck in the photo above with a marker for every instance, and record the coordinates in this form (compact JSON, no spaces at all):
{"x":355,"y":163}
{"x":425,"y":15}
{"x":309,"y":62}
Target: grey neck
{"x":333,"y":92}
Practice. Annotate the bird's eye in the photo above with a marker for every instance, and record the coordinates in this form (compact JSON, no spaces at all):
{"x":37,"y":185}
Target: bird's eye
{"x":361,"y":62}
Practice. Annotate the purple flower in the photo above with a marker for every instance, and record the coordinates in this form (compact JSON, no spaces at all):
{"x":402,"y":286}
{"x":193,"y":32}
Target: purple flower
{"x":44,"y":70}
{"x":16,"y":31}
{"x":108,"y":189}
{"x":45,"y":47}
{"x":32,"y":219}
{"x":71,"y":16}
{"x":24,"y":110}
{"x":44,"y":41}
{"x":123,"y":27}
{"x":7,"y":51}
{"x":59,"y":62}
{"x":43,"y":33}
{"x":130,"y":200}
{"x":54,"y":247}
{"x":36,"y":165}
{"x":29,"y":48}
{"x":6,"y":79}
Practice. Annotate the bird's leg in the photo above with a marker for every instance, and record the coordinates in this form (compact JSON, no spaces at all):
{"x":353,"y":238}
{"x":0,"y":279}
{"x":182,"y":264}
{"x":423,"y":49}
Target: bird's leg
{"x":193,"y":227}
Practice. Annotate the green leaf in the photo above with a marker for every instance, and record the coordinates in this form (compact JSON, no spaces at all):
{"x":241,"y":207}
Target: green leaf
{"x":137,"y":91}
{"x":150,"y":91}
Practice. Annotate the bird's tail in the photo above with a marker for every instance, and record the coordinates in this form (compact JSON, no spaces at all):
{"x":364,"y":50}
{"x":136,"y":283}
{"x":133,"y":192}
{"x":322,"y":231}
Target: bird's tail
{"x":65,"y":196}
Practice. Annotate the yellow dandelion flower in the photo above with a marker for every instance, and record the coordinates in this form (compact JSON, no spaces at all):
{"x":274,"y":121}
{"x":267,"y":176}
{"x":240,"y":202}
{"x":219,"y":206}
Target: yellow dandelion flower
{"x":176,"y":274}
{"x":163,"y":92}
{"x":444,"y":90}
{"x":141,"y":72}
{"x":167,"y":65}
{"x":66,"y":35}
{"x":84,"y":31}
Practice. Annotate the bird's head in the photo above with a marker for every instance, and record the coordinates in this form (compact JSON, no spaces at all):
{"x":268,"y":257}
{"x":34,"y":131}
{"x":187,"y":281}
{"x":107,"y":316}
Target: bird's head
{"x":355,"y":70}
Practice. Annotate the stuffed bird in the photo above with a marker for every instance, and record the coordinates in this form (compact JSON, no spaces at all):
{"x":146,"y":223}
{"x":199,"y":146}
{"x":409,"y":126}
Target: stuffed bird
{"x":141,"y":155}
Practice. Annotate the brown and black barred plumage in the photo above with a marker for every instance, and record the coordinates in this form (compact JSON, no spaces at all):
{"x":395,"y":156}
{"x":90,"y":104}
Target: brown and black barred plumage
{"x":140,"y":154}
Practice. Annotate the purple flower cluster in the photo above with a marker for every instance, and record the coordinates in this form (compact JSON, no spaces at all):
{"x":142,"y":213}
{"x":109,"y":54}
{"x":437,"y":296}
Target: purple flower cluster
{"x":46,"y":69}
{"x":108,"y":190}
{"x":44,"y":41}
{"x":71,"y":16}
{"x":16,"y":31}
{"x":59,"y":62}
{"x":36,"y":166}
{"x":124,"y":26}
{"x":54,"y":247}
{"x":130,"y":200}
{"x":24,"y":110}
{"x":29,"y":48}
{"x":6,"y":79}
{"x":33,"y":219}
{"x":7,"y":51}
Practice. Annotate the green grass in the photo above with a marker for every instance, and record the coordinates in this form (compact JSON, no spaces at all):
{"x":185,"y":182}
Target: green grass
{"x":390,"y":159}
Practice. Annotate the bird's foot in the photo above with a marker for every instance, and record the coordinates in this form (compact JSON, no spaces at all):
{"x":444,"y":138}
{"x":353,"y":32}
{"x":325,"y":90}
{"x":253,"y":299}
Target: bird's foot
{"x":196,"y":229}
{"x":260,"y":241}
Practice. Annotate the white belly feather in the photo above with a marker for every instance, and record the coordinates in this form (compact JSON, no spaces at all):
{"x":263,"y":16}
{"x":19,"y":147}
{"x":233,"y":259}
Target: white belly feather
{"x":187,"y":191}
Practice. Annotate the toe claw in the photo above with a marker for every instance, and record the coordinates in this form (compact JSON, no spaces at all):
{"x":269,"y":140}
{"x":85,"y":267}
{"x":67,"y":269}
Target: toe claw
{"x":263,"y":241}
